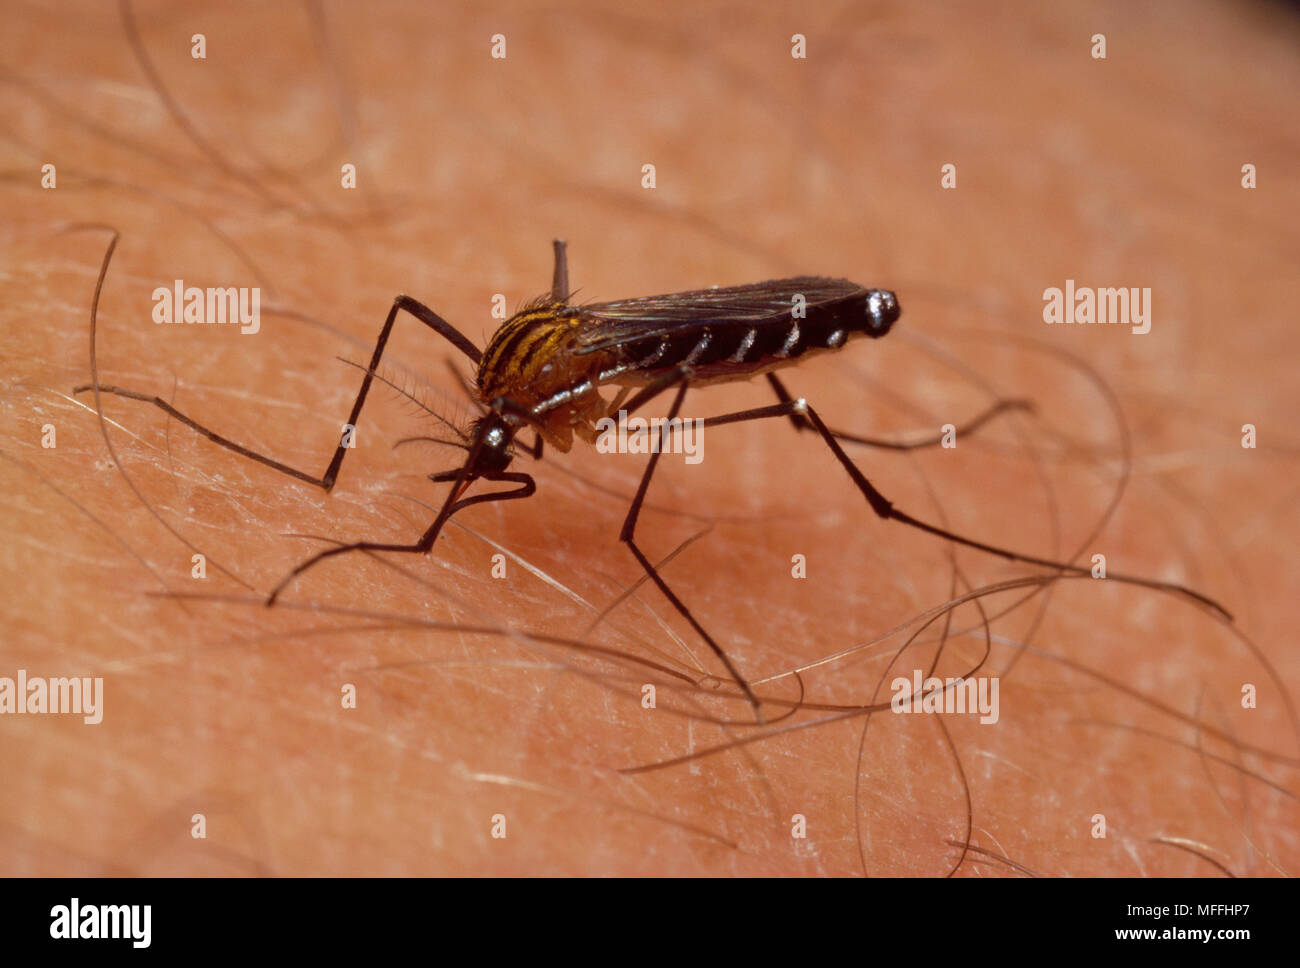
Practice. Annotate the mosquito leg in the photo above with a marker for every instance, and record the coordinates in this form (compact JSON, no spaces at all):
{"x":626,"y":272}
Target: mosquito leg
{"x":462,"y":477}
{"x":802,"y":423}
{"x":617,"y":402}
{"x":885,"y":509}
{"x":419,"y":547}
{"x":452,"y":505}
{"x":198,"y":428}
{"x":417,"y":309}
{"x":431,"y":319}
{"x":560,"y":277}
{"x":681,"y":377}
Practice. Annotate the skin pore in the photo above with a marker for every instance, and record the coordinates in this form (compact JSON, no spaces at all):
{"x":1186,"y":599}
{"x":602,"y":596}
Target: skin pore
{"x":481,"y":696}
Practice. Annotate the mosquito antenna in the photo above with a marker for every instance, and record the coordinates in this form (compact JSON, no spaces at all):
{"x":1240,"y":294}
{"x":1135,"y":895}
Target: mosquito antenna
{"x":415,"y":400}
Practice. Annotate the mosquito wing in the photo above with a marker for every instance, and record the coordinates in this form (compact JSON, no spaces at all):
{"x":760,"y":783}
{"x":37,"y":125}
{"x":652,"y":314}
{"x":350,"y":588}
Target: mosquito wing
{"x":729,"y":334}
{"x":770,"y":304}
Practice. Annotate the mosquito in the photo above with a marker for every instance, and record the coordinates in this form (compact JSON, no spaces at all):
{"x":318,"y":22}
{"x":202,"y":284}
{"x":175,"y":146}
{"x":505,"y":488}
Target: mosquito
{"x":543,"y":371}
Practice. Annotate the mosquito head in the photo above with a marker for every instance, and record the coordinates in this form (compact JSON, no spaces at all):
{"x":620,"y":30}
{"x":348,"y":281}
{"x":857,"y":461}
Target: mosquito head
{"x":882,"y":311}
{"x":496,"y":450}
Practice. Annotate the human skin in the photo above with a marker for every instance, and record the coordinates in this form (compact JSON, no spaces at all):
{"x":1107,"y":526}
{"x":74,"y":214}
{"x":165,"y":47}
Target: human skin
{"x":1116,"y":700}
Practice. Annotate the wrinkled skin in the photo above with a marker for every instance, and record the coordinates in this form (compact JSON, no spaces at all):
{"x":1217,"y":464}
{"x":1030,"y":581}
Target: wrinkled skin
{"x":1120,"y":172}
